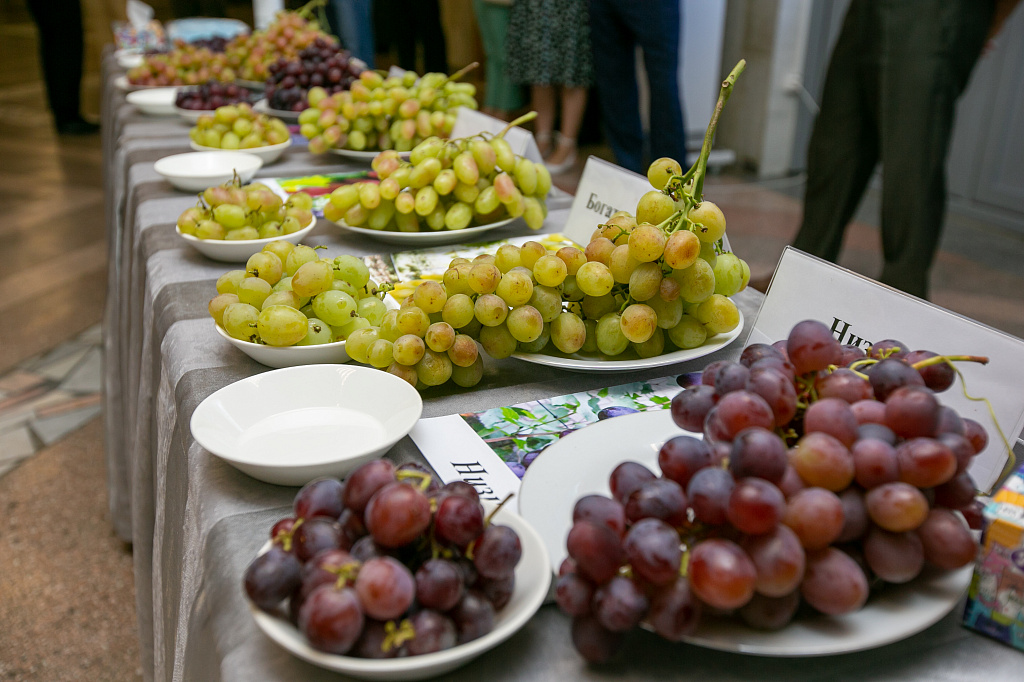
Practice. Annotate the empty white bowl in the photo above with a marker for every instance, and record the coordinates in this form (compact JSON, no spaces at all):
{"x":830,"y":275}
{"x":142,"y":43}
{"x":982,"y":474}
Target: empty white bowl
{"x":533,"y":578}
{"x":269,"y":154}
{"x":154,"y":101}
{"x":195,"y":171}
{"x":238,"y":251}
{"x":129,"y":59}
{"x":289,"y":426}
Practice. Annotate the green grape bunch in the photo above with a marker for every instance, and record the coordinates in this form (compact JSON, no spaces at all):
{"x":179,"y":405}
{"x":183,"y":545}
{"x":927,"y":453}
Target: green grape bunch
{"x":381,"y":113}
{"x":288,"y":295}
{"x":233,"y":212}
{"x":237,"y":126}
{"x":446,"y":185}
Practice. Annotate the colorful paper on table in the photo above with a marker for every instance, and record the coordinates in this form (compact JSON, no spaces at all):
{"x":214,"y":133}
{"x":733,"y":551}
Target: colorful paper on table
{"x":861,"y":311}
{"x":317,"y":186}
{"x":491,"y":450}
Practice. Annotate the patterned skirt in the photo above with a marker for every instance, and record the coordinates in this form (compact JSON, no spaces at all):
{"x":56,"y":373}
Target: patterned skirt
{"x":549,"y":43}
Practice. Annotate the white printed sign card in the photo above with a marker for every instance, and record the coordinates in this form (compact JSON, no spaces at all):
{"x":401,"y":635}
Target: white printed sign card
{"x":471,"y":122}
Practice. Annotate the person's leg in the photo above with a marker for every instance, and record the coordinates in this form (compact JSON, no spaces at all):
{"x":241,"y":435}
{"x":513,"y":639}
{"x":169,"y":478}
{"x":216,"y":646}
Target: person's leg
{"x":613,"y":47}
{"x":355,"y":24}
{"x":502,"y":95}
{"x":431,"y":35}
{"x":843,"y":149}
{"x":574,"y":101}
{"x":542,"y":100}
{"x":657,"y":26}
{"x":404,"y":32}
{"x":60,"y":51}
{"x":930,"y":48}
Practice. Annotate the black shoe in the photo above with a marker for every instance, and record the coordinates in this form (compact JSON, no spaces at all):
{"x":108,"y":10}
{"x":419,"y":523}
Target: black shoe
{"x":78,"y":126}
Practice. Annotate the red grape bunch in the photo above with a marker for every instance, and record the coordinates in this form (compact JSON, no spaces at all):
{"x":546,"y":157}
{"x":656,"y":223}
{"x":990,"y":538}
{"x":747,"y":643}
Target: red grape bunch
{"x":323,"y":64}
{"x":823,"y":472}
{"x":387,"y":563}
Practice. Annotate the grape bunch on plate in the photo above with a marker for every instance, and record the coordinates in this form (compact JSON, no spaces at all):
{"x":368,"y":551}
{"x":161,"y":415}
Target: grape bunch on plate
{"x":446,"y":185}
{"x":186,"y":64}
{"x":237,"y":126}
{"x":396,"y":112}
{"x":288,"y":296}
{"x":251,"y":56}
{"x":323,"y":64}
{"x":232,"y":212}
{"x":210,"y":96}
{"x":386,"y":564}
{"x":823,"y":472}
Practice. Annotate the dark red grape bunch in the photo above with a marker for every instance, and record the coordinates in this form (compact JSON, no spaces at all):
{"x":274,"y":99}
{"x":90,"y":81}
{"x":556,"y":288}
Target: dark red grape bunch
{"x":209,"y":96}
{"x":321,"y":64}
{"x":386,"y":564}
{"x":823,"y":471}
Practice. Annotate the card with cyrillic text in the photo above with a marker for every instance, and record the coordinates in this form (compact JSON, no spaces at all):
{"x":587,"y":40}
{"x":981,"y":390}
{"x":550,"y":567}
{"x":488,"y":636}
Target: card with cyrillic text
{"x":861,"y":311}
{"x":604,"y":189}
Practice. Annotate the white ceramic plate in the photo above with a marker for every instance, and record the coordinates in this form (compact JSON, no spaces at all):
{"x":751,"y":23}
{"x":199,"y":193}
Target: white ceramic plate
{"x":292,"y":425}
{"x":532,"y":582}
{"x":364,"y":156}
{"x":238,"y":251}
{"x":580,"y":464}
{"x":629,"y":360}
{"x":122,"y":84}
{"x":195,"y":171}
{"x":429,"y":238}
{"x":154,"y":101}
{"x":269,"y":154}
{"x":129,"y":59}
{"x":263,"y":107}
{"x":192,"y":115}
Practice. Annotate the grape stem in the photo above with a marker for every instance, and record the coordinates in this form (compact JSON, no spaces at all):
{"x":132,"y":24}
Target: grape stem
{"x":346,"y":573}
{"x":463,"y":71}
{"x":700,"y":167}
{"x":397,"y":635}
{"x":529,"y":116}
{"x":947,"y":359}
{"x":286,"y":536}
{"x":422,"y":479}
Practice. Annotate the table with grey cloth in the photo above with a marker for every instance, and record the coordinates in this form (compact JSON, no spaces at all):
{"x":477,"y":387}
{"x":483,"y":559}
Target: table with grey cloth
{"x":195,"y":522}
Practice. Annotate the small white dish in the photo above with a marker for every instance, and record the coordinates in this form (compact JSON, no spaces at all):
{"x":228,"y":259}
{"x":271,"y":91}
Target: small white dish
{"x":195,"y":171}
{"x":366,"y":156}
{"x":238,"y":251}
{"x":427,"y":238}
{"x":154,"y":101}
{"x":129,"y":59}
{"x":595,"y":362}
{"x":192,"y":115}
{"x":532,"y":582}
{"x":269,"y":154}
{"x":263,"y":107}
{"x":289,"y":426}
{"x":580,"y":463}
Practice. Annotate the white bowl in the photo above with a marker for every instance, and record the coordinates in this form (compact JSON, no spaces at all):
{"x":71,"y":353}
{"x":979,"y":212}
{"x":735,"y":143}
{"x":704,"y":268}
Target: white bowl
{"x":195,"y":171}
{"x":129,"y":59}
{"x":263,"y":107}
{"x":192,"y":115}
{"x":269,"y":154}
{"x":533,"y":578}
{"x":238,"y":251}
{"x":289,"y":426}
{"x":154,"y":101}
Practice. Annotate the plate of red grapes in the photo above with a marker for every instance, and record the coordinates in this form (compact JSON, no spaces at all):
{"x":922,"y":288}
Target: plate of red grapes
{"x":193,"y":102}
{"x":322,"y":64}
{"x":390,"y":575}
{"x":805,"y":500}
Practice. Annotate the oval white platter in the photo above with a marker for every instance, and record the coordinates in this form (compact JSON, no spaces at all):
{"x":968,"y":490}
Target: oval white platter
{"x":263,"y":107}
{"x":580,"y":463}
{"x":269,"y":153}
{"x":586,"y":362}
{"x":532,"y":582}
{"x":428,"y":238}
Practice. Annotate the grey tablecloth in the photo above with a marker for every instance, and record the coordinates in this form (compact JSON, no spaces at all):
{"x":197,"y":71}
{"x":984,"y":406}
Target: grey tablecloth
{"x":195,"y":522}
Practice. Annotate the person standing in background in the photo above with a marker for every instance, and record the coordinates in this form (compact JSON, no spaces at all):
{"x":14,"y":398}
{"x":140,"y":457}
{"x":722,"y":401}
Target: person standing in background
{"x":60,"y":52}
{"x":353,"y":21}
{"x":549,"y":46}
{"x":617,"y":27}
{"x":502,"y":95}
{"x":418,"y":21}
{"x":890,"y":94}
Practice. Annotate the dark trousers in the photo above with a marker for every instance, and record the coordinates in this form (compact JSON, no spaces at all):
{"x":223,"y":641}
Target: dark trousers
{"x":616,"y":28}
{"x":60,"y":51}
{"x":415,"y":21}
{"x":890,"y":91}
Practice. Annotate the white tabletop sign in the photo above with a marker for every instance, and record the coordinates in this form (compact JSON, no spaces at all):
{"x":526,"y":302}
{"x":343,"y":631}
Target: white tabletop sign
{"x":861,"y":311}
{"x":604,"y":189}
{"x":471,"y":122}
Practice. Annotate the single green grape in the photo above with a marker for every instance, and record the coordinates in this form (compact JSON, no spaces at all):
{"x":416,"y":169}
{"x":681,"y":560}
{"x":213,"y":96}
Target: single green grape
{"x":497,"y":341}
{"x":355,"y":323}
{"x":515,"y":288}
{"x":434,"y":369}
{"x":217,"y":305}
{"x":372,"y":309}
{"x":358,"y":343}
{"x":484,"y":277}
{"x":590,"y":344}
{"x":287,"y":298}
{"x":380,"y":354}
{"x":265,"y":265}
{"x":240,"y":321}
{"x":412,"y":320}
{"x":229,"y":281}
{"x":458,"y":216}
{"x":688,"y":333}
{"x":525,"y":323}
{"x":336,"y":308}
{"x":653,"y":346}
{"x":468,"y":377}
{"x":609,"y":336}
{"x":661,"y":170}
{"x":550,"y":271}
{"x":439,"y":337}
{"x":646,"y":243}
{"x":697,"y":282}
{"x":548,"y":301}
{"x":710,"y":221}
{"x":281,"y":325}
{"x":312,"y":278}
{"x":254,"y":291}
{"x":507,"y":256}
{"x":298,"y":257}
{"x":728,"y":274}
{"x":654,"y":207}
{"x":596,"y":307}
{"x":408,"y":349}
{"x":645,"y":281}
{"x":463,"y":351}
{"x":719,"y":314}
{"x":595,"y":279}
{"x":318,"y":333}
{"x":638,"y":322}
{"x":490,"y":310}
{"x":458,"y":310}
{"x":568,"y":333}
{"x":682,"y":249}
{"x":668,"y":312}
{"x":351,"y":269}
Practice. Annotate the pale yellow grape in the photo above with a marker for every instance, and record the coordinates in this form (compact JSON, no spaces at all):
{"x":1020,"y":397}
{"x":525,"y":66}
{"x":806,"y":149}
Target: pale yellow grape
{"x":458,"y":259}
{"x":229,"y":281}
{"x":467,"y":194}
{"x":299,"y":256}
{"x":434,"y":368}
{"x":358,"y":343}
{"x":458,"y":310}
{"x":318,"y":333}
{"x":484,"y":278}
{"x":468,"y":377}
{"x":653,"y":346}
{"x":710,"y":221}
{"x":291,"y":224}
{"x":638,"y":322}
{"x":538,"y":344}
{"x":654,"y":207}
{"x":728,"y":274}
{"x":405,"y":203}
{"x":412,"y":320}
{"x":661,"y":170}
{"x":381,"y":216}
{"x":505,"y":157}
{"x":380,"y":354}
{"x":342,"y":285}
{"x":645,"y":281}
{"x":269,"y":230}
{"x":669,"y":289}
{"x":707,"y":252}
{"x":445,"y":182}
{"x":430,"y":296}
{"x":596,"y":307}
{"x":529,"y":252}
{"x":426,"y":201}
{"x":487,"y":202}
{"x":281,"y":325}
{"x":595,"y":279}
{"x":484,"y":156}
{"x":517,"y":207}
{"x":463,"y":351}
{"x":344,"y":331}
{"x":646,"y":243}
{"x":688,"y":333}
{"x":435,"y":220}
{"x":609,"y":336}
{"x":746,"y":274}
{"x":403,"y":372}
{"x":515,"y":288}
{"x":243,"y":233}
{"x":543,"y":181}
{"x":465,"y":168}
{"x":599,"y":250}
{"x":668,"y":312}
{"x":622,"y":264}
{"x":209,"y":229}
{"x":590,"y":343}
{"x":525,"y":323}
{"x":408,"y":349}
{"x":697,"y":282}
{"x":287,"y":298}
{"x":217,"y":305}
{"x":547,"y":300}
{"x":568,"y":333}
{"x":456,"y":279}
{"x":549,"y":271}
{"x":407,"y":222}
{"x":254,"y":291}
{"x":484,"y":258}
{"x":682,"y":249}
{"x":240,"y":321}
{"x":312,"y":278}
{"x":533,"y":212}
{"x":389,"y":326}
{"x":458,"y":216}
{"x":333,"y":307}
{"x":718,"y":314}
{"x":439,"y":337}
{"x":389,"y":189}
{"x":497,"y":341}
{"x":526,"y":175}
{"x":265,"y":265}
{"x":490,"y":310}
{"x":507,"y":257}
{"x":573,"y":258}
